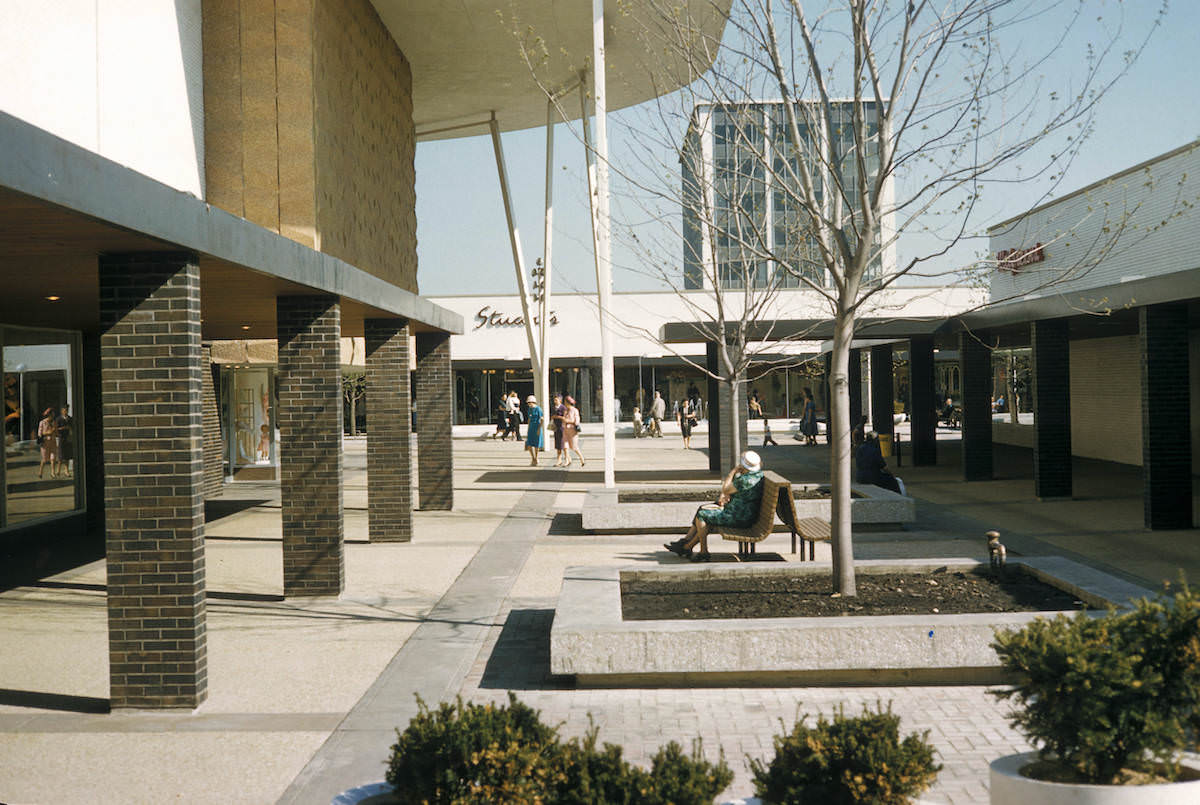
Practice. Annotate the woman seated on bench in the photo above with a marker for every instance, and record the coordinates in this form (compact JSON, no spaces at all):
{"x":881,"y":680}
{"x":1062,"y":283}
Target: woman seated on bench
{"x":871,"y":468}
{"x":737,"y":507}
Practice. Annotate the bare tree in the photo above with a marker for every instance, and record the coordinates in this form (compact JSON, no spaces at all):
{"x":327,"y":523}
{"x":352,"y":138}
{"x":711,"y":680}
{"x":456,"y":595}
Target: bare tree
{"x":885,"y":121}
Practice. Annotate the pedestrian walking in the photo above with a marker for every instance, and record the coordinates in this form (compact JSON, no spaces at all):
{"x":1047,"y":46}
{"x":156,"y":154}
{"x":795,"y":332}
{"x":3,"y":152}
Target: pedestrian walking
{"x":557,"y":412}
{"x":658,"y":410}
{"x":687,"y":421}
{"x":571,"y":430}
{"x":535,"y":434}
{"x":767,"y":437}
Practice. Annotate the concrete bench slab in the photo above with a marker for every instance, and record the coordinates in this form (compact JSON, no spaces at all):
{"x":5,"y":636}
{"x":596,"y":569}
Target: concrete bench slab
{"x":590,"y":641}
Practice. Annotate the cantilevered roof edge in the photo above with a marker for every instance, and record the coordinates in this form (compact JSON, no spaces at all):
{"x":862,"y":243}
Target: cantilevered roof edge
{"x":43,"y":166}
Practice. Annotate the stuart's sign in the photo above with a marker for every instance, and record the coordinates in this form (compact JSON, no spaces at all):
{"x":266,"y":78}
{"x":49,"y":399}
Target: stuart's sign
{"x":488,"y":317}
{"x":1012,"y":260}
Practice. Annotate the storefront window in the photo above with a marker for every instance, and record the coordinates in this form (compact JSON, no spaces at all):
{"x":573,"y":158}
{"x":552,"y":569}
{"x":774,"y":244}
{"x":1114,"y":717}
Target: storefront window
{"x":41,"y":435}
{"x":250,"y":392}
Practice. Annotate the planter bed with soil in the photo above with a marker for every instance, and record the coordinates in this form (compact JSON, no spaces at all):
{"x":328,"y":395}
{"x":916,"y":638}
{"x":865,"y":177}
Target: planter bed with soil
{"x":591,"y":640}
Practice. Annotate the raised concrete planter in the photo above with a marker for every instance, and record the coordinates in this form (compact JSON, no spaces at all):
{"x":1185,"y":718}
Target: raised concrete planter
{"x":602,"y":510}
{"x":590,"y":640}
{"x":1006,"y":786}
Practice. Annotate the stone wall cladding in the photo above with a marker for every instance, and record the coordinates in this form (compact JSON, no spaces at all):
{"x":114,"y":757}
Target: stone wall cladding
{"x":1050,"y":349}
{"x":921,"y":402}
{"x":153,"y":468}
{"x":389,"y":429}
{"x":1166,"y":416}
{"x":882,"y":396}
{"x":214,"y":465}
{"x":435,"y":400}
{"x":325,"y":157}
{"x":365,"y":143}
{"x":975,"y":367}
{"x":309,"y":383}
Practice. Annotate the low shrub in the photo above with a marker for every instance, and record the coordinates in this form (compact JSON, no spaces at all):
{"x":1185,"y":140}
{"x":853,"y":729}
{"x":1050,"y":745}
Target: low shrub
{"x":1111,"y":695}
{"x":847,"y":760}
{"x":470,"y":754}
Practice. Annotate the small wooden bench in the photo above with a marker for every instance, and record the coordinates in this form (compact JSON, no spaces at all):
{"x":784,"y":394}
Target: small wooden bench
{"x":812,"y":529}
{"x":776,"y":500}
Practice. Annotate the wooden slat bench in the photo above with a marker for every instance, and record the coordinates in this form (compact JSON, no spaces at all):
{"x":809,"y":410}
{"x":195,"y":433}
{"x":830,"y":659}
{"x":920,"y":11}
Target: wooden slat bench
{"x":776,"y":500}
{"x":812,"y":529}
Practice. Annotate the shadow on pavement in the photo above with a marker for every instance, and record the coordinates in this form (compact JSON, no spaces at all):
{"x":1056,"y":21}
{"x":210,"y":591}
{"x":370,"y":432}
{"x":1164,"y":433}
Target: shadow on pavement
{"x":53,"y":701}
{"x":520,"y":660}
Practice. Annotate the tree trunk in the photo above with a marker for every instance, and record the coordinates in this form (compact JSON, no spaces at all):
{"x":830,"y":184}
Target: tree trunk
{"x":353,"y":417}
{"x":840,"y":458}
{"x":734,"y":424}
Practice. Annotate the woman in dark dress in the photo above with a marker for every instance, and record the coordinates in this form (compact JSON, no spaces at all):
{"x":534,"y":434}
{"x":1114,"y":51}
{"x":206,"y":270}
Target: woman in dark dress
{"x":557,"y":412}
{"x":687,"y":421}
{"x":66,"y":445}
{"x":808,"y":418}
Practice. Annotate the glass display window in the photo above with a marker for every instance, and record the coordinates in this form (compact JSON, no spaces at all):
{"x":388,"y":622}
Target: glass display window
{"x":251,"y":417}
{"x":42,"y":437}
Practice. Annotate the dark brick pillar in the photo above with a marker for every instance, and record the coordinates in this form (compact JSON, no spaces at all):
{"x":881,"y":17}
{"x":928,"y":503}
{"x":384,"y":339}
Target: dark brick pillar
{"x":732,"y":416}
{"x":1166,"y":417}
{"x":921,"y":401}
{"x":435,"y":404}
{"x":214,"y":464}
{"x":153,"y":474}
{"x":714,"y":409}
{"x":975,"y":367}
{"x":389,"y":429}
{"x":826,"y":393}
{"x":92,"y":459}
{"x":1051,"y":359}
{"x":310,"y":443}
{"x":882,"y":395}
{"x":854,"y":375}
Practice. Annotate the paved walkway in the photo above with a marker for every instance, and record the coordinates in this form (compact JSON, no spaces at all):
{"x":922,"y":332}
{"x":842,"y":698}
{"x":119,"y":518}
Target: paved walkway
{"x":304,"y":696}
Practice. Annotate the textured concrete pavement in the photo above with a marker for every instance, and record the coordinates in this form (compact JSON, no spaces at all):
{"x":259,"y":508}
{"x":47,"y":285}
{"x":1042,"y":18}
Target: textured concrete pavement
{"x":304,"y":695}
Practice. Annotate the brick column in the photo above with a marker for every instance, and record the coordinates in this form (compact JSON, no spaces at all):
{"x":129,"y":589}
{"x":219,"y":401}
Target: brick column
{"x":1166,"y":417}
{"x":389,"y":429}
{"x":214,"y":461}
{"x":975,"y":367}
{"x":714,"y":408}
{"x":826,"y":393}
{"x":921,"y":401}
{"x":1051,"y":365}
{"x":310,"y":443}
{"x":854,"y":376}
{"x":727,"y":457}
{"x":153,"y":472}
{"x":435,"y":408}
{"x":882,"y":395}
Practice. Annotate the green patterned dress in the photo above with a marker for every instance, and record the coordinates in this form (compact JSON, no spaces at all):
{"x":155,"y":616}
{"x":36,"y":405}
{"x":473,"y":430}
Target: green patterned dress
{"x":742,"y":508}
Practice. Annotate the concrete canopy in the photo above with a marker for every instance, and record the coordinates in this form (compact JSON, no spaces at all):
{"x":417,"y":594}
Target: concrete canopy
{"x":466,"y":60}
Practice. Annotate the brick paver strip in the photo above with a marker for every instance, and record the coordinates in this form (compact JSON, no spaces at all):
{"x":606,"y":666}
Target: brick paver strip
{"x":435,"y":660}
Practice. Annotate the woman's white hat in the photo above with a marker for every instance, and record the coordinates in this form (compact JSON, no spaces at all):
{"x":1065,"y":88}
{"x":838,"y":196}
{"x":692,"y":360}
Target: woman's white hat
{"x":751,"y":462}
{"x":531,"y":399}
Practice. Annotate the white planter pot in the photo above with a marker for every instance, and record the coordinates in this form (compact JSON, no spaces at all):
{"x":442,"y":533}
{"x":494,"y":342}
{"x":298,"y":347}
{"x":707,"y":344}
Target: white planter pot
{"x":1008,"y":787}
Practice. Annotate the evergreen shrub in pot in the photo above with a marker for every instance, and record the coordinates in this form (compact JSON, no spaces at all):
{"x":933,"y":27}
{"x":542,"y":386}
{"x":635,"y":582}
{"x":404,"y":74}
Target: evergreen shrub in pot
{"x":1112,"y":703}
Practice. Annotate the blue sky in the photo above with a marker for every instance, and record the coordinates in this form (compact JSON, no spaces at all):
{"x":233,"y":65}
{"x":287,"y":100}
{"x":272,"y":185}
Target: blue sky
{"x":463,"y":240}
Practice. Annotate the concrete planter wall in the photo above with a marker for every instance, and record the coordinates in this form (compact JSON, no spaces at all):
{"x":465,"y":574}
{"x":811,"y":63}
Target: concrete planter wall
{"x":592,"y":642}
{"x":602,"y":510}
{"x":1008,"y":787}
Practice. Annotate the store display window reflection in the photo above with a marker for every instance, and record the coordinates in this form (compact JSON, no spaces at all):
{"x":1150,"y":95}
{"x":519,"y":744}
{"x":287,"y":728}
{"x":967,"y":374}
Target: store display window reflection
{"x":251,"y":414}
{"x":41,"y":434}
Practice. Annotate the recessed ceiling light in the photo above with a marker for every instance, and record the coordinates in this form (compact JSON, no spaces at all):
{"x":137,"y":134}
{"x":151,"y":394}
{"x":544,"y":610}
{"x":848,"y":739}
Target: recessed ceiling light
{"x":245,"y":326}
{"x":53,"y":298}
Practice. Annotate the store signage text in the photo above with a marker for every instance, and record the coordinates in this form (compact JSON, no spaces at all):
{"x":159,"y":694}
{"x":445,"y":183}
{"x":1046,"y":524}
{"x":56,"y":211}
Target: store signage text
{"x":1013,"y":259}
{"x":488,"y":317}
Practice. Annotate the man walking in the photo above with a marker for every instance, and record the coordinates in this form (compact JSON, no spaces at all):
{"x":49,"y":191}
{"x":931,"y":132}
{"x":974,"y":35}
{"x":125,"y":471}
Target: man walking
{"x":658,"y":410}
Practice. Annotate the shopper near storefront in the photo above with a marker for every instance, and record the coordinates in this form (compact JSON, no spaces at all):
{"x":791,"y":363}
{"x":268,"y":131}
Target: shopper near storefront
{"x":571,"y":431}
{"x":658,"y":410}
{"x":687,"y":421}
{"x":535,"y":436}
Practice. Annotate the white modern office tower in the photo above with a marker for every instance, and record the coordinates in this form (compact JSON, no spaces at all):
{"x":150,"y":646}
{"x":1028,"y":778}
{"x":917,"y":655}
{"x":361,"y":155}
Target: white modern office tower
{"x":744,"y":223}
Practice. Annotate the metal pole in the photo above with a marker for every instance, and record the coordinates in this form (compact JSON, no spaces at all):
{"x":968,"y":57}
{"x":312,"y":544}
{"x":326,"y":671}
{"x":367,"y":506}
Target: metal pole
{"x":598,"y":181}
{"x":514,"y":238}
{"x":544,"y":314}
